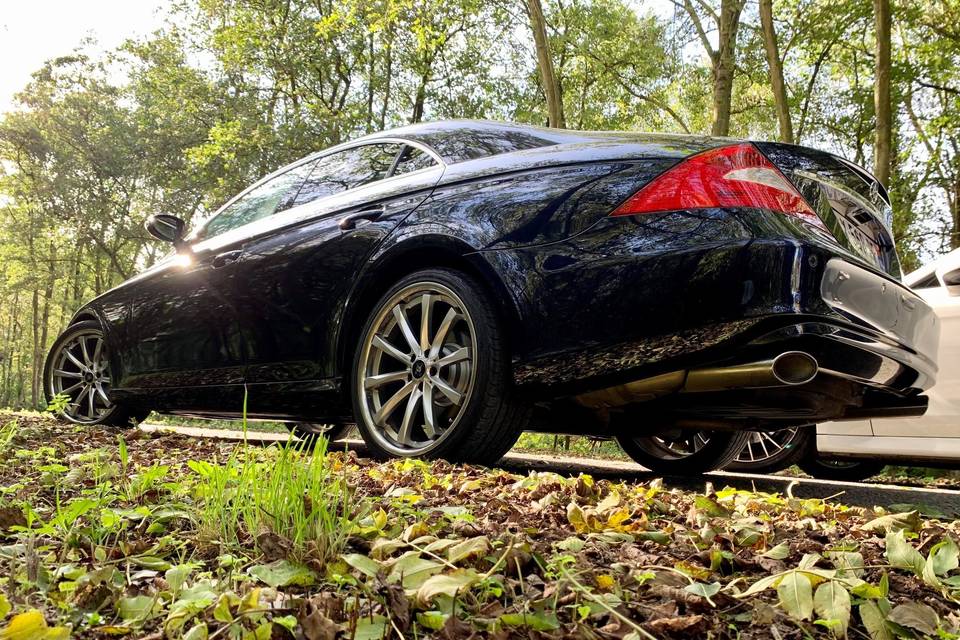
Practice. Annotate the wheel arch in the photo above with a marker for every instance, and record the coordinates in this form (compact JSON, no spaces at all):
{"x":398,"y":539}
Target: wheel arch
{"x":406,"y":257}
{"x":87,"y":313}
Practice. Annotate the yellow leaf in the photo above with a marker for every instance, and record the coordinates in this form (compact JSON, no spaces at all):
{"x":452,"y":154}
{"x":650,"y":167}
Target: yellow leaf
{"x":612,"y":501}
{"x":616,"y":519}
{"x":576,"y":517}
{"x":32,"y":626}
{"x":605,"y":582}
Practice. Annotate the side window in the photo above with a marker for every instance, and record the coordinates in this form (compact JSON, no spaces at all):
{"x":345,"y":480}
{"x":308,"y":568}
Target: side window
{"x":270,"y":197}
{"x":412,"y":159}
{"x":348,"y":169}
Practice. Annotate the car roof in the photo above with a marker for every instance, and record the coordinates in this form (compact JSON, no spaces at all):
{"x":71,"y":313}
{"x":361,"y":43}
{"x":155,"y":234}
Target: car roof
{"x":462,"y":140}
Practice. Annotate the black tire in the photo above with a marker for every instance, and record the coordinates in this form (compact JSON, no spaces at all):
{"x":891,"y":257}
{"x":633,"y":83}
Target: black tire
{"x":716,"y":452}
{"x":842,"y":470}
{"x":308,"y":432}
{"x":792,"y":452}
{"x":488,"y":421}
{"x":116,"y":415}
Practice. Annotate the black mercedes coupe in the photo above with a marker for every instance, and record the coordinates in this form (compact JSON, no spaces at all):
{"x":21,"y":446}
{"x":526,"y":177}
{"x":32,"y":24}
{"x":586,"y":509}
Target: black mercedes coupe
{"x":445,"y":286}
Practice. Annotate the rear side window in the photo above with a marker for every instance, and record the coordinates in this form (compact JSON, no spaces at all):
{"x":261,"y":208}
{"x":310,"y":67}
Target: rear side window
{"x":412,"y":159}
{"x":348,"y":169}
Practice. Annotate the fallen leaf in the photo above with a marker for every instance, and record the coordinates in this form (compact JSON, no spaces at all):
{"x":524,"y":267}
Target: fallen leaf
{"x":873,"y":621}
{"x":832,"y":602}
{"x":796,"y":595}
{"x":909,"y":521}
{"x":447,"y":584}
{"x":468,"y":549}
{"x":917,"y":616}
{"x":282,"y":573}
{"x":32,"y":626}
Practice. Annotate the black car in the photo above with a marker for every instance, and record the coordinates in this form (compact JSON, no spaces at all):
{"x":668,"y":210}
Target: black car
{"x":448,"y":285}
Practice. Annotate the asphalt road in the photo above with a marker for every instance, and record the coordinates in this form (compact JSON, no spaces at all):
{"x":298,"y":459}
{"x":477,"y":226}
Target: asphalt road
{"x":933,"y":502}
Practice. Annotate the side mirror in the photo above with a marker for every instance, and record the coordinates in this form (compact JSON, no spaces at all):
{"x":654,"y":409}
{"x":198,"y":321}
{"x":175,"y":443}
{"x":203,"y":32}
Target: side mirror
{"x":167,"y":228}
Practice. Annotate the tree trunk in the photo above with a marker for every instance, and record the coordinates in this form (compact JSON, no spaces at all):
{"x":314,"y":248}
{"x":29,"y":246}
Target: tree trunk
{"x":881,"y":93}
{"x":725,"y":62}
{"x":551,"y":87}
{"x":776,"y":71}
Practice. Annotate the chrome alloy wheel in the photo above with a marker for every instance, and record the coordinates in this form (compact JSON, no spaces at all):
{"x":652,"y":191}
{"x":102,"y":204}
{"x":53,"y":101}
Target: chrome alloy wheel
{"x":681,"y":444}
{"x":80,"y":370}
{"x":417,"y":369}
{"x":764,"y":446}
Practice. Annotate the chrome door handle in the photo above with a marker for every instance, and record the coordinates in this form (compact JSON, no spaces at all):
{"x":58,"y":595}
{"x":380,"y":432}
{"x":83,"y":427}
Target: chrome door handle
{"x":223,"y":259}
{"x":369,"y":214}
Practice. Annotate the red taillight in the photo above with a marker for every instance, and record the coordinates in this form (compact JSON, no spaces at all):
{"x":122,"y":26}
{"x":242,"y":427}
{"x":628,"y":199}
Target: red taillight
{"x":734,"y":176}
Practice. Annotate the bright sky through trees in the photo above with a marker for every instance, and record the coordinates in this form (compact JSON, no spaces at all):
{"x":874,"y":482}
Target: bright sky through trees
{"x":32,"y":32}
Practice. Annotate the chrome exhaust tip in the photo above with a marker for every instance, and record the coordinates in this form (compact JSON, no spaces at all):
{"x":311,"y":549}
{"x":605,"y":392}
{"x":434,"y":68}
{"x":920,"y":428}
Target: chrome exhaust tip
{"x":794,"y":367}
{"x":790,"y":368}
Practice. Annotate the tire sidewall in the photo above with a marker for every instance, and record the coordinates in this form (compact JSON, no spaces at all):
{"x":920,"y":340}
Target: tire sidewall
{"x":487,"y":363}
{"x":720,"y":448}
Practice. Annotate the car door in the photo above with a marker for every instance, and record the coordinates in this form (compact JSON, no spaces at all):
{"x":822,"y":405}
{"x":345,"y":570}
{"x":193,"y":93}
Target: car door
{"x":181,"y":334}
{"x":302,"y":268}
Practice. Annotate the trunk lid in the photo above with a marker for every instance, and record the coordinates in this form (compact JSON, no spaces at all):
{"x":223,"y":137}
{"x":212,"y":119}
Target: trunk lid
{"x":851,"y":202}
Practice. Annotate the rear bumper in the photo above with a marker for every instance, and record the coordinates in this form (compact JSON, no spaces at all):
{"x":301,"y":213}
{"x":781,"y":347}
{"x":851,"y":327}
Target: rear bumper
{"x":739,"y":302}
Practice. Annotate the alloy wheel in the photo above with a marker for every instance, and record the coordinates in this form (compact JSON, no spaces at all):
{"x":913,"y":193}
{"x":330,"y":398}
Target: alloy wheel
{"x":417,"y":368}
{"x":81,"y":371}
{"x":764,"y":446}
{"x":681,"y":444}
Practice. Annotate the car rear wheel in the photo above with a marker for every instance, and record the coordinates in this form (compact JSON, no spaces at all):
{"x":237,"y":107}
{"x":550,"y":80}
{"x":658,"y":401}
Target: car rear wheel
{"x":430,"y":374}
{"x":774,"y":451}
{"x":684,"y":452}
{"x":78,"y":369}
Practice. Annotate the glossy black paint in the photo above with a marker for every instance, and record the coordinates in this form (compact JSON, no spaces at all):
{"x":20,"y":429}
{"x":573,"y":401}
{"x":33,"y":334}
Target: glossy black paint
{"x":589,"y":300}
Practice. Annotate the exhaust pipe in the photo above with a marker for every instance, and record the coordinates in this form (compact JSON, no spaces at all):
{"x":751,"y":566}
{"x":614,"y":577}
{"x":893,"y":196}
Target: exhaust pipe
{"x":787,"y":369}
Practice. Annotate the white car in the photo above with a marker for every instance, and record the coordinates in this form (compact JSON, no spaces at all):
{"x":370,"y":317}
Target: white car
{"x":859,"y":449}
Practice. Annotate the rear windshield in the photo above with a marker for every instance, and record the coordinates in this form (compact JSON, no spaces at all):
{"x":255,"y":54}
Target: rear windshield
{"x":467,"y":144}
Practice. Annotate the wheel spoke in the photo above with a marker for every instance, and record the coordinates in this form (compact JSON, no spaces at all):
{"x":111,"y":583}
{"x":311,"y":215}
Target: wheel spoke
{"x":390,"y":350}
{"x":452,"y":394}
{"x":461,"y":354}
{"x":91,"y":401}
{"x":83,"y":350}
{"x":67,"y":374}
{"x":429,"y":422}
{"x":426,"y":309}
{"x":390,"y":405}
{"x":79,"y":399}
{"x":98,"y":351}
{"x":448,"y":320}
{"x":103,"y":395}
{"x":405,"y":329}
{"x":71,"y":388}
{"x":73,"y":359}
{"x":372,"y":382}
{"x":406,"y":426}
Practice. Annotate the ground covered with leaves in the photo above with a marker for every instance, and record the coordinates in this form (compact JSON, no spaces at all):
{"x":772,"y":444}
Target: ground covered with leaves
{"x":110,"y":534}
